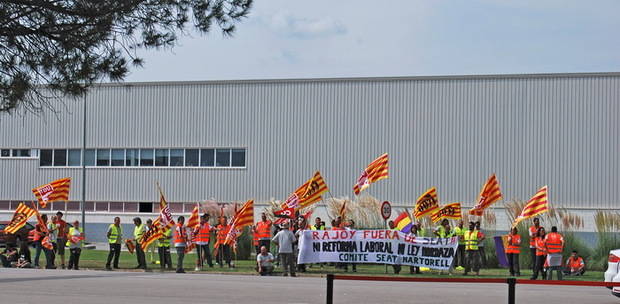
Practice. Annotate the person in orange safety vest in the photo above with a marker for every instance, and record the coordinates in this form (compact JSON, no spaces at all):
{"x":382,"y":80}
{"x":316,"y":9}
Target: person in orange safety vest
{"x":203,"y":238}
{"x":575,"y":265}
{"x":541,"y":254}
{"x":533,"y":231}
{"x":554,"y":244}
{"x":513,"y":249}
{"x":262,"y":231}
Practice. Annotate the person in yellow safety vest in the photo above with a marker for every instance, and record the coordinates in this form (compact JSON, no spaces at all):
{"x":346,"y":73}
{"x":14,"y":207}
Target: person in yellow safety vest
{"x":481,"y":238}
{"x":115,"y":237}
{"x":163,"y":244}
{"x":554,"y":242}
{"x":138,"y":231}
{"x":472,"y":254}
{"x":318,"y":224}
{"x":459,"y":231}
{"x":421,"y":230}
{"x":512,"y":250}
{"x":74,"y":242}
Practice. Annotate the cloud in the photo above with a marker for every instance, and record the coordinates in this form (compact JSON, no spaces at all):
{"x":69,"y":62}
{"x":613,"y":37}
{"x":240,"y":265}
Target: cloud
{"x":288,"y":25}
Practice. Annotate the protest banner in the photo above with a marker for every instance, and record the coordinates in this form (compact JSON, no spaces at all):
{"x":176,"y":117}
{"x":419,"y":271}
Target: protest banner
{"x":375,"y":246}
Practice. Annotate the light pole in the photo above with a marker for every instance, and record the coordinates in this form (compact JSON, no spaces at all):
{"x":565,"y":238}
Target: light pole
{"x":83,"y":202}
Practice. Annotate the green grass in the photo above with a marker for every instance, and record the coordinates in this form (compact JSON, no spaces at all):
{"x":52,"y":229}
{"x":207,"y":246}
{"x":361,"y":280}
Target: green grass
{"x":95,"y":259}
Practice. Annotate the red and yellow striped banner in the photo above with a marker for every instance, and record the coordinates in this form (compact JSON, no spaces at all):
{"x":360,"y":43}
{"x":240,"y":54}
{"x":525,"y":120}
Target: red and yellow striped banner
{"x":20,"y":217}
{"x":538,"y":204}
{"x":375,"y":171}
{"x":426,"y":204}
{"x":57,"y":190}
{"x":194,"y":219}
{"x":307,"y":194}
{"x":489,"y":195}
{"x":449,"y":211}
{"x":243,"y":217}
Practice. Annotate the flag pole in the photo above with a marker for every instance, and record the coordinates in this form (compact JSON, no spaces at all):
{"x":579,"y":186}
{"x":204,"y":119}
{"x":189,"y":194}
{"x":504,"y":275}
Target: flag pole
{"x":83,"y":202}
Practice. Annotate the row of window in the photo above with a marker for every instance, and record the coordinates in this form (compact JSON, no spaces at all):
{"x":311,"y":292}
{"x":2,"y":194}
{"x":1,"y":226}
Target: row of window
{"x":220,"y":157}
{"x":130,"y":207}
{"x":18,"y":153}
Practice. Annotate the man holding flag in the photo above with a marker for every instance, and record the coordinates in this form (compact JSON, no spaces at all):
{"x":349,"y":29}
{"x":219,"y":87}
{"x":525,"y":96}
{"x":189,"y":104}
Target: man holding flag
{"x":180,"y":242}
{"x":138,"y":231}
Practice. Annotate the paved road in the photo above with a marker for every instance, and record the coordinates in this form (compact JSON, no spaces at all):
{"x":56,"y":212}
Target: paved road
{"x":93,"y":287}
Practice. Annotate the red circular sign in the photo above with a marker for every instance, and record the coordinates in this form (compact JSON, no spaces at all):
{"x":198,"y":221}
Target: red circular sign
{"x":386,"y":210}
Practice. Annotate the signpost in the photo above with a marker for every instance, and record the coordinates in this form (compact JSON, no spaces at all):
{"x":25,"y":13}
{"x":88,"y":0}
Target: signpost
{"x":386,"y":212}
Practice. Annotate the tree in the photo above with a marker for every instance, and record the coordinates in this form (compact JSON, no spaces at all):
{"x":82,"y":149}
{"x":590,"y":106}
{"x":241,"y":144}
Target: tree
{"x":57,"y":48}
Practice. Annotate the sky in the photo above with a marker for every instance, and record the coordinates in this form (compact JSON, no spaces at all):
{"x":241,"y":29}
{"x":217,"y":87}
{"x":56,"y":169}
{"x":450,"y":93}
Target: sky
{"x":361,"y":38}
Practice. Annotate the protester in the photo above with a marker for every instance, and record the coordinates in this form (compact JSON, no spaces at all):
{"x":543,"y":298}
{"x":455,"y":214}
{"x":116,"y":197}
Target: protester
{"x":285,"y":239}
{"x":223,"y":253}
{"x":350,"y":225}
{"x":115,"y":237}
{"x":575,"y":265}
{"x":459,"y":231}
{"x":483,"y":255}
{"x":472,"y":253}
{"x":23,"y":262}
{"x":414,"y":233}
{"x":163,"y":244}
{"x":533,"y":232}
{"x":318,"y":224}
{"x":180,"y":242}
{"x":263,"y":228}
{"x":8,"y":257}
{"x":150,"y":249}
{"x":264,"y":262}
{"x":554,"y":244}
{"x":62,"y":237}
{"x":203,"y":237}
{"x":396,"y":267}
{"x":52,"y":236}
{"x":513,"y":249}
{"x":541,"y":254}
{"x":39,"y":234}
{"x":74,"y":241}
{"x":301,"y":226}
{"x":138,"y":231}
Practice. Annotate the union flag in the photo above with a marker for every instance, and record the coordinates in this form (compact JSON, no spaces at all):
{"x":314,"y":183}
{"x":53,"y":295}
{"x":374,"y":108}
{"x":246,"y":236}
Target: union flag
{"x":307,"y":194}
{"x":426,"y":204}
{"x":20,"y":217}
{"x":243,"y":217}
{"x":376,"y":171}
{"x":449,"y":211}
{"x":489,"y":195}
{"x":538,"y":204}
{"x":57,"y":190}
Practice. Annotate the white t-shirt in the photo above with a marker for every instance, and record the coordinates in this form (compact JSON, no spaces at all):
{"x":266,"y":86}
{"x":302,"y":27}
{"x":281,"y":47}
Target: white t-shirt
{"x":265,"y":260}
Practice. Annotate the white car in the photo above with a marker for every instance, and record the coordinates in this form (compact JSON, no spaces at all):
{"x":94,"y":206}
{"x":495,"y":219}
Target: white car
{"x":613,"y":270}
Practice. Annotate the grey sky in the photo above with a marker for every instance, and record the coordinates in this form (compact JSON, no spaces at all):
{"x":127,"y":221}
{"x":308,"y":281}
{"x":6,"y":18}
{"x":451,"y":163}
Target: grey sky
{"x":355,"y":38}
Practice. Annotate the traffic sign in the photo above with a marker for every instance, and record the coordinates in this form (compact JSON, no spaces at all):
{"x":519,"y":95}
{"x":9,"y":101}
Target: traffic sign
{"x":386,"y":210}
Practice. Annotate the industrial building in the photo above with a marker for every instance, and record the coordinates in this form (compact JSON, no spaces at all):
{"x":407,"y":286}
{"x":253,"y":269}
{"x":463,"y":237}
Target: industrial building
{"x":235,"y":140}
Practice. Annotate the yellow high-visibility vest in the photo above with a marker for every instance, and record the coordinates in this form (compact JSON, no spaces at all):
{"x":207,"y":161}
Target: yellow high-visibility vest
{"x":471,"y":240}
{"x":115,"y":234}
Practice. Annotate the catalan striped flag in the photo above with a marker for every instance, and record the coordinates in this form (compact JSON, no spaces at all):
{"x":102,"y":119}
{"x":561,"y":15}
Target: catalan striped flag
{"x":243,"y":217}
{"x":426,"y":204}
{"x":57,"y":190}
{"x":449,"y":211}
{"x":403,"y":222}
{"x":489,"y":195}
{"x":155,"y":232}
{"x":20,"y":217}
{"x":376,"y":171}
{"x":45,"y":242}
{"x":538,"y":204}
{"x":308,"y":193}
{"x":194,"y":219}
{"x":165,"y":215}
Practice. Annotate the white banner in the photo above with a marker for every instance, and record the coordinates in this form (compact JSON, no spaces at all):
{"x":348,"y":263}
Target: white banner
{"x":375,"y":246}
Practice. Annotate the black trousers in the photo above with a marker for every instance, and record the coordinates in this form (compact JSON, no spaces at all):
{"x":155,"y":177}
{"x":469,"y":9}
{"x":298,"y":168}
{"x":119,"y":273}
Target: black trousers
{"x":513,"y":263}
{"x":223,"y":255}
{"x":115,"y":253}
{"x":140,"y":256}
{"x":165,"y":260}
{"x":50,"y":256}
{"x":540,"y":263}
{"x":74,"y":258}
{"x":460,"y":256}
{"x":533,"y":258}
{"x":180,"y":257}
{"x":204,"y":254}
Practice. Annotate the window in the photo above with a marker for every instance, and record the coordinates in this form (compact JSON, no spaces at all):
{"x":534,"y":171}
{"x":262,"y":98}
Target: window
{"x":45,"y":160}
{"x":238,"y":158}
{"x":75,"y":156}
{"x":222,"y":158}
{"x":176,"y":157}
{"x":131,"y":157}
{"x":5,"y":153}
{"x":191,"y":157}
{"x":146,"y":207}
{"x":21,"y":153}
{"x":60,"y":158}
{"x":146,"y":157}
{"x":207,"y":158}
{"x":118,"y":157}
{"x":89,"y":157}
{"x":103,"y":157}
{"x":161,"y":157}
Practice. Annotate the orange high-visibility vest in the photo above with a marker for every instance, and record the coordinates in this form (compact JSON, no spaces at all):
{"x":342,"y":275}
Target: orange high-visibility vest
{"x":514,"y":244}
{"x":263,"y":230}
{"x":204,"y":233}
{"x":256,"y":238}
{"x":575,"y":263}
{"x":533,"y":231}
{"x":540,"y":247}
{"x":554,"y":242}
{"x":179,"y":234}
{"x":221,"y":235}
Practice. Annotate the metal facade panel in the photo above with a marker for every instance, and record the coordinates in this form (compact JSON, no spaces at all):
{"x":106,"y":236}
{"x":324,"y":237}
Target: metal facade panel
{"x":445,"y":132}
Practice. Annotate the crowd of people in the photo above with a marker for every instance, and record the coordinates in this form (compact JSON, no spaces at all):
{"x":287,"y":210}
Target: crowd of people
{"x":53,"y":236}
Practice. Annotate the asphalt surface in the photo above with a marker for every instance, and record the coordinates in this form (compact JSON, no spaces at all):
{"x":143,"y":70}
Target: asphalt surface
{"x":64,"y":286}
